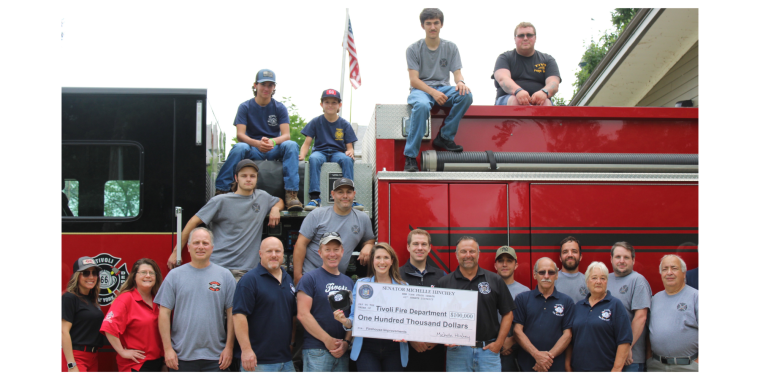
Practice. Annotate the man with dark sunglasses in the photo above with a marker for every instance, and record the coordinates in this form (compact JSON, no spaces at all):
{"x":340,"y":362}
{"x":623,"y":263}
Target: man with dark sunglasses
{"x":543,"y":322}
{"x":525,"y":76}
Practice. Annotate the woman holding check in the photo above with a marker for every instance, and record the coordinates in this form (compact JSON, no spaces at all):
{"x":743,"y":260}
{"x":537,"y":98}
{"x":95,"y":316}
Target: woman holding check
{"x":370,"y":354}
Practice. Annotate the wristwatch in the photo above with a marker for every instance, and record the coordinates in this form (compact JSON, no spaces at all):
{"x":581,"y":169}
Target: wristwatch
{"x":462,"y":82}
{"x":71,"y":365}
{"x":546,"y":92}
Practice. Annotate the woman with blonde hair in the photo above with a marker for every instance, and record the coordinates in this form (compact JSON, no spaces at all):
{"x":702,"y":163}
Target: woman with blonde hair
{"x":131,"y":324}
{"x":81,"y":318}
{"x":370,"y":354}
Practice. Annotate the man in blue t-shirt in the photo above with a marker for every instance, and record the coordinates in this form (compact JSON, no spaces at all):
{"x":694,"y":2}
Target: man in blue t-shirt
{"x":263,"y":133}
{"x":333,"y":142}
{"x":325,"y":341}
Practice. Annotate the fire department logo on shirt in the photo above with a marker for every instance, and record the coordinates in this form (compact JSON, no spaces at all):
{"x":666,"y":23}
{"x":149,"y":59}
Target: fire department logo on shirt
{"x":338,"y":134}
{"x":606,"y":314}
{"x":365,"y":291}
{"x":444,"y":62}
{"x":681,"y":307}
{"x":583,"y":291}
{"x":214,"y":286}
{"x":272,"y":120}
{"x":559,"y":310}
{"x":109,"y":317}
{"x":355,"y":229}
{"x":624,"y":289}
{"x":256,"y":207}
{"x":111,"y":277}
{"x":484,"y":288}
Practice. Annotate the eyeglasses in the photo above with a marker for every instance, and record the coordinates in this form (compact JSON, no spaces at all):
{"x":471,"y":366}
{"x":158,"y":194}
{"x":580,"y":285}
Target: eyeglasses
{"x":529,"y":35}
{"x":543,"y":272}
{"x":146,"y":273}
{"x":326,"y":234}
{"x":88,"y":273}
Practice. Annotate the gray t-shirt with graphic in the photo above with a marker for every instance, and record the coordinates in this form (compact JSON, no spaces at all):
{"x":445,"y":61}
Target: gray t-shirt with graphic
{"x":574,"y":285}
{"x":237,"y":222}
{"x":199,"y":299}
{"x":674,"y":325}
{"x":434,"y":66}
{"x":353,"y":228}
{"x":634,"y":291}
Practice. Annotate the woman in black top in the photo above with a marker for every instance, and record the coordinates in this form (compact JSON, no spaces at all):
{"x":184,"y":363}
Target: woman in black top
{"x":82,"y":317}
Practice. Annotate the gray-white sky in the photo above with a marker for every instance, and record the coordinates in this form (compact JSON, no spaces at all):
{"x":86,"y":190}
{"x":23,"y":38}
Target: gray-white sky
{"x":221,"y":45}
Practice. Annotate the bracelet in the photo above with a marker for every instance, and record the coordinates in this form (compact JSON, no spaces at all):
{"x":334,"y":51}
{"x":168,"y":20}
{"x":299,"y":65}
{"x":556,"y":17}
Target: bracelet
{"x":516,"y":91}
{"x":462,"y":81}
{"x":346,"y":329}
{"x":274,"y":143}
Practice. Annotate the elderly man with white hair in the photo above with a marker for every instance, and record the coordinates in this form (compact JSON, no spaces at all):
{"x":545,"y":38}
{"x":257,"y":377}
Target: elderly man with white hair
{"x":602,"y":333}
{"x":674,"y":325}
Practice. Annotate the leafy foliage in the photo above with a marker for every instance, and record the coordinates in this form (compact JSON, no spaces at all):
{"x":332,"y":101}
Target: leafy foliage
{"x":558,"y":101}
{"x":596,"y":50}
{"x":121,"y":198}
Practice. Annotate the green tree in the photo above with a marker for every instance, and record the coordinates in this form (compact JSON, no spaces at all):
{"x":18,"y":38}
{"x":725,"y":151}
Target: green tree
{"x":596,"y":50}
{"x":558,"y":101}
{"x":121,"y":198}
{"x":296,"y":125}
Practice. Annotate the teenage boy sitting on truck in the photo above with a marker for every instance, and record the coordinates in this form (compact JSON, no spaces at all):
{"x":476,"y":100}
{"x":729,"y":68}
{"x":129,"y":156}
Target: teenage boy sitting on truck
{"x":333,"y":142}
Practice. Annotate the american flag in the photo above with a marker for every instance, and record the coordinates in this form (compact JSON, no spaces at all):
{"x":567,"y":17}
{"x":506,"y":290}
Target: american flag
{"x":353,"y":62}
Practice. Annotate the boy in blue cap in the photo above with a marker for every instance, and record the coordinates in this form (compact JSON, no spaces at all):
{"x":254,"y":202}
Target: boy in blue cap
{"x":333,"y":142}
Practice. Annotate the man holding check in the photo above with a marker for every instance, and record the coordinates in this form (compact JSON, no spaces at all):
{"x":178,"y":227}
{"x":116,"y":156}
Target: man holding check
{"x":493,"y":299}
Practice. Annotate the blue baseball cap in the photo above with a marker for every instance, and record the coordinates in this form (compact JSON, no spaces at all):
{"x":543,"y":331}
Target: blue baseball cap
{"x":265,"y":75}
{"x":330,"y":93}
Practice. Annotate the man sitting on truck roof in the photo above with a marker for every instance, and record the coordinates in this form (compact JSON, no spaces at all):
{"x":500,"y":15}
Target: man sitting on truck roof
{"x":429,"y":61}
{"x":525,"y":76}
{"x":263,"y":133}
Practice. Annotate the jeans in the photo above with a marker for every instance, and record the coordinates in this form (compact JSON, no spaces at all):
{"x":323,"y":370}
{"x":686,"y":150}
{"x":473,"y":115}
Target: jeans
{"x":502,"y":100}
{"x":320,"y":360}
{"x":274,"y":367}
{"x":379,"y":355}
{"x":200,"y":365}
{"x":421,"y":103}
{"x":318,"y":158}
{"x":287,"y":152}
{"x":634,"y":367}
{"x":472,"y":359}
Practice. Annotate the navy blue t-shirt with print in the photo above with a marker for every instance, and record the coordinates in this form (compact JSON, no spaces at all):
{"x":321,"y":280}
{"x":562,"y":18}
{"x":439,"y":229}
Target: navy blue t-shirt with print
{"x":597,"y":332}
{"x":318,"y":284}
{"x":262,"y":121}
{"x":329,"y":135}
{"x":544,"y":321}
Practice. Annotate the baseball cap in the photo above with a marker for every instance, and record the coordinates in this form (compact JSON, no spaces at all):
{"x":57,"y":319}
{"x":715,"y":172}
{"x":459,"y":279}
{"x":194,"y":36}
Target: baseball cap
{"x":330,"y":93}
{"x":84,"y":262}
{"x":246,"y":163}
{"x":340,"y":300}
{"x":265,"y":75}
{"x":343,"y":182}
{"x":506,"y":249}
{"x":330,"y":236}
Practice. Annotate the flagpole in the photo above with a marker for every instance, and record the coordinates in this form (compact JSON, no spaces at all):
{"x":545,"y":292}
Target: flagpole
{"x":351,"y":110}
{"x":343,"y":65}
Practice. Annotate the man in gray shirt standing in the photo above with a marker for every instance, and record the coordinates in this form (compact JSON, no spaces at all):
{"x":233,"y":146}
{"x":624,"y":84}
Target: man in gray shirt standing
{"x":429,"y":61}
{"x":570,"y":280}
{"x":353,"y":226}
{"x":505,"y":265}
{"x":674,"y":327}
{"x":633,"y":290}
{"x":200,"y":294}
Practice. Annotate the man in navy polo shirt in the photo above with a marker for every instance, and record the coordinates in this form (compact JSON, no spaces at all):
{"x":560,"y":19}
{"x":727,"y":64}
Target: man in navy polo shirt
{"x":263,"y":133}
{"x":263,"y":311}
{"x":543,"y":319}
{"x":493,"y":299}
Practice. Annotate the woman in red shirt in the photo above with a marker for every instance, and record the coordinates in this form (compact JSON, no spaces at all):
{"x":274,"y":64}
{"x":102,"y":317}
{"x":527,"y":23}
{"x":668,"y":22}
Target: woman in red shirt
{"x":131,"y":324}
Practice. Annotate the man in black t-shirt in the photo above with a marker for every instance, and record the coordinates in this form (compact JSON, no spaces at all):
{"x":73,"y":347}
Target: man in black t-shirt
{"x":525,"y":76}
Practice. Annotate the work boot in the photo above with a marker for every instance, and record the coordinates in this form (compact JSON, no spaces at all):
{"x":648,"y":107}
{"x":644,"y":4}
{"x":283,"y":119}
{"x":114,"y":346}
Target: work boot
{"x":291,"y":201}
{"x":411,"y":165}
{"x":220,"y":192}
{"x":449,"y":145}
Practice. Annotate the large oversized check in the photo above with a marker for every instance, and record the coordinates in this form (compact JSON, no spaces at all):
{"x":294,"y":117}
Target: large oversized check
{"x":416,"y":313}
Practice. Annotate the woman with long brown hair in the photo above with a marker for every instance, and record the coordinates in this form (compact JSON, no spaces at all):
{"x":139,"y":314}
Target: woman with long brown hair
{"x":131,"y":324}
{"x":370,"y":354}
{"x":81,"y":318}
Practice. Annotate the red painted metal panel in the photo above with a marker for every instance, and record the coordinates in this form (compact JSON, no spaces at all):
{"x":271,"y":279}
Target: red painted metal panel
{"x":417,"y":205}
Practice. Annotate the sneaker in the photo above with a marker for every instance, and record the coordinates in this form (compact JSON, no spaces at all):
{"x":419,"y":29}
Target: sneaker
{"x":449,"y":145}
{"x":314,"y":203}
{"x":358,"y":206}
{"x":411,"y":165}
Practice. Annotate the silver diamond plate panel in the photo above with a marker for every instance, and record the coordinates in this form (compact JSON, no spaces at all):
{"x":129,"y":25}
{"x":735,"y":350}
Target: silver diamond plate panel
{"x":388,"y":118}
{"x":538,"y":176}
{"x":362,"y":179}
{"x":369,"y":148}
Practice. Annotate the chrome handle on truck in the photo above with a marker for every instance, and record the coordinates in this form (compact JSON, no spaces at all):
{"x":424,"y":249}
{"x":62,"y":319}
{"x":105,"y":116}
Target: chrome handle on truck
{"x":178,"y":214}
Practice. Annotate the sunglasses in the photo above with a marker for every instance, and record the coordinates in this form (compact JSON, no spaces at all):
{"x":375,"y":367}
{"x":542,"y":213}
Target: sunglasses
{"x":529,"y":35}
{"x":88,"y":273}
{"x":543,"y":272}
{"x":330,"y":234}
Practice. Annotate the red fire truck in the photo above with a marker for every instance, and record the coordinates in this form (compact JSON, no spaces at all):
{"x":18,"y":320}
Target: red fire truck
{"x":138,"y":163}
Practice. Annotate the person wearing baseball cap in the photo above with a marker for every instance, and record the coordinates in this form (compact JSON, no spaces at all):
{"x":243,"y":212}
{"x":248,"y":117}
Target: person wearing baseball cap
{"x":263,"y":133}
{"x":353,"y":225}
{"x":325,"y":341}
{"x":81,"y":318}
{"x":237,"y":221}
{"x":333,"y":142}
{"x":505,"y":265}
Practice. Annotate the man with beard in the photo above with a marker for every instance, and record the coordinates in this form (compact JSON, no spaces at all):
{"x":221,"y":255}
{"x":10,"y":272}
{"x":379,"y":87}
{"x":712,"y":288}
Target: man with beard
{"x":506,"y":264}
{"x":571,"y":281}
{"x":264,"y":310}
{"x":633,"y":290}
